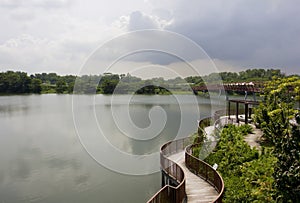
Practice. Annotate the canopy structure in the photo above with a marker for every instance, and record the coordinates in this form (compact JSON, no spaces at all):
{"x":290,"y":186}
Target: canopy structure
{"x":248,"y":104}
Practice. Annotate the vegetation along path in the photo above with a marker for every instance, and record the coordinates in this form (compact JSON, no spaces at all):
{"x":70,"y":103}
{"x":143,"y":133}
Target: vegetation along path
{"x":253,"y":138}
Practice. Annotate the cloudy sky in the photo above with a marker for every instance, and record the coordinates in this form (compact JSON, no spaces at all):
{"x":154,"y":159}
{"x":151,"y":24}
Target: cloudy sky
{"x":59,"y":35}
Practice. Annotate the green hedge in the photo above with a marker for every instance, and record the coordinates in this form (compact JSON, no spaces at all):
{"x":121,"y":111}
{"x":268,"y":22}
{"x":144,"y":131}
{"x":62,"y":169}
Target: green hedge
{"x":247,"y":173}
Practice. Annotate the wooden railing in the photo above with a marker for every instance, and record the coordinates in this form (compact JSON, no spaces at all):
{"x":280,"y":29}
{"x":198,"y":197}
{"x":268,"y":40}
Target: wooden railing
{"x":202,"y":124}
{"x":174,"y":191}
{"x":205,"y":171}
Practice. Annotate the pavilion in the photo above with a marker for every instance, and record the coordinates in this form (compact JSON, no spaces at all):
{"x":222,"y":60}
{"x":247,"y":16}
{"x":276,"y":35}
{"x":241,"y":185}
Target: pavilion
{"x":248,"y":104}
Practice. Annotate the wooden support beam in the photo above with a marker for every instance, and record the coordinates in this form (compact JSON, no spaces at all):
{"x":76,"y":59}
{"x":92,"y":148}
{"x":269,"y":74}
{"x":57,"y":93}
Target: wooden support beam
{"x":246,"y":113}
{"x":237,"y":112}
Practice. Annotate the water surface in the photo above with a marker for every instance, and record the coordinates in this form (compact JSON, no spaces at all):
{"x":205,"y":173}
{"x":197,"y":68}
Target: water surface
{"x":42,"y":159}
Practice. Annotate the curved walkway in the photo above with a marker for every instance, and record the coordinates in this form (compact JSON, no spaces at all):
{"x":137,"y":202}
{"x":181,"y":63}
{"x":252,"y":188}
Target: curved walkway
{"x":197,"y":189}
{"x":253,"y":138}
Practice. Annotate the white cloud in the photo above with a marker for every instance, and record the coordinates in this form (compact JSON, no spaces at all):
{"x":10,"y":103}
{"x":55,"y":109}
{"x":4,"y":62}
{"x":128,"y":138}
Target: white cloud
{"x":138,"y":21}
{"x":27,"y":52}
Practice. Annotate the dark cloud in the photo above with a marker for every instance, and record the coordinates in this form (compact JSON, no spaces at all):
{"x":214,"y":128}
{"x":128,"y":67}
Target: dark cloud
{"x":153,"y":57}
{"x":252,"y":33}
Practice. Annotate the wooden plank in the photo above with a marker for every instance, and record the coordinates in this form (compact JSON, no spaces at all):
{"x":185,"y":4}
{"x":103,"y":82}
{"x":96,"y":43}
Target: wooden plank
{"x":197,"y":189}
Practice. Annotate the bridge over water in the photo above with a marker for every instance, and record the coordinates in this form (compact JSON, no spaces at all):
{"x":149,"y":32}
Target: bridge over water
{"x":236,"y":87}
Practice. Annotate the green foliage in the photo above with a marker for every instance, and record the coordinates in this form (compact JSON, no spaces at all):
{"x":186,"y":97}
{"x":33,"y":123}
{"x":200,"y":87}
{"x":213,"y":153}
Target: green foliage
{"x":246,"y":173}
{"x":252,"y":181}
{"x":61,"y":86}
{"x":71,"y":87}
{"x":246,"y":129}
{"x":287,"y":170}
{"x":36,"y":86}
{"x":48,"y":89}
{"x":86,"y":84}
{"x":108,"y":83}
{"x":153,"y":89}
{"x":274,"y":116}
{"x":195,"y":80}
{"x":249,"y":75}
{"x":232,"y":150}
{"x":19,"y":82}
{"x":242,"y":76}
{"x":260,"y":74}
{"x":14,"y":82}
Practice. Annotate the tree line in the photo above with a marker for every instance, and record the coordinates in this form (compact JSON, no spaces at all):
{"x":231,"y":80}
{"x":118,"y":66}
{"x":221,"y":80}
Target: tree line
{"x":249,"y":75}
{"x":17,"y":82}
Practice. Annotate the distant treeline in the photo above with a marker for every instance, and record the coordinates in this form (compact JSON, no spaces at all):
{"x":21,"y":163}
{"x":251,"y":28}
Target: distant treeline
{"x":20,"y":82}
{"x":250,"y":75}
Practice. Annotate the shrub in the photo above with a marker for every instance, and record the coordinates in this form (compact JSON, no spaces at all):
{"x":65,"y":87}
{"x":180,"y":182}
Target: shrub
{"x":246,"y":173}
{"x":246,"y":129}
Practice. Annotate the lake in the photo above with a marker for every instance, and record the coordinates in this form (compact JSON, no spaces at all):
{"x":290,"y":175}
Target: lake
{"x":54,"y":147}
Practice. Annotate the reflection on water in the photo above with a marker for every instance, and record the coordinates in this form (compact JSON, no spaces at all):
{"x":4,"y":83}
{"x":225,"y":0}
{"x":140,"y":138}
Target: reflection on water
{"x":42,"y":159}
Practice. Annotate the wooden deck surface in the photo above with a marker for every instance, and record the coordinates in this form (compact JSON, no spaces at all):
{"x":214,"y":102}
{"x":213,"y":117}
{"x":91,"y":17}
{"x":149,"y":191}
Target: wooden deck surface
{"x":197,"y":190}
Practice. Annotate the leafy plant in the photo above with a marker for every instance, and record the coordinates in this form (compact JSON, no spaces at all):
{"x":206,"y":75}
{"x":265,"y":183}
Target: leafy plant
{"x":287,"y":169}
{"x":246,"y":129}
{"x":274,"y":116}
{"x":246,"y":172}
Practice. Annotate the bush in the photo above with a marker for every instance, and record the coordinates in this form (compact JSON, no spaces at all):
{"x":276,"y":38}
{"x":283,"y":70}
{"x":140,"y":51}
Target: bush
{"x":246,"y":129}
{"x":246,"y":173}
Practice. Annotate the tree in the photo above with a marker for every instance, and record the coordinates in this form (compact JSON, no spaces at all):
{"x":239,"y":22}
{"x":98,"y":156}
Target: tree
{"x":52,"y":78}
{"x":287,"y":169}
{"x":108,"y":83}
{"x":71,"y":87}
{"x":14,"y":82}
{"x":36,"y":86}
{"x":61,"y":86}
{"x":274,"y":115}
{"x":25,"y":81}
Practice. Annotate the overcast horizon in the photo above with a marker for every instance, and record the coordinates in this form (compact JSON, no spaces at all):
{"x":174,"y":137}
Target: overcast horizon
{"x":59,"y":35}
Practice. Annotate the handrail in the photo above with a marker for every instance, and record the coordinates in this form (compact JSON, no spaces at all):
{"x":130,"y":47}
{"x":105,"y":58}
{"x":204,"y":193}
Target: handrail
{"x":205,"y":171}
{"x":219,"y":123}
{"x":204,"y":122}
{"x":201,"y":168}
{"x":169,"y":193}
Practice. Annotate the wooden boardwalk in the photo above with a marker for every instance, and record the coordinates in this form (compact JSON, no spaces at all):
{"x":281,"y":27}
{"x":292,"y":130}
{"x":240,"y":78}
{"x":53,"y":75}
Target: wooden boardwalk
{"x":197,"y":190}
